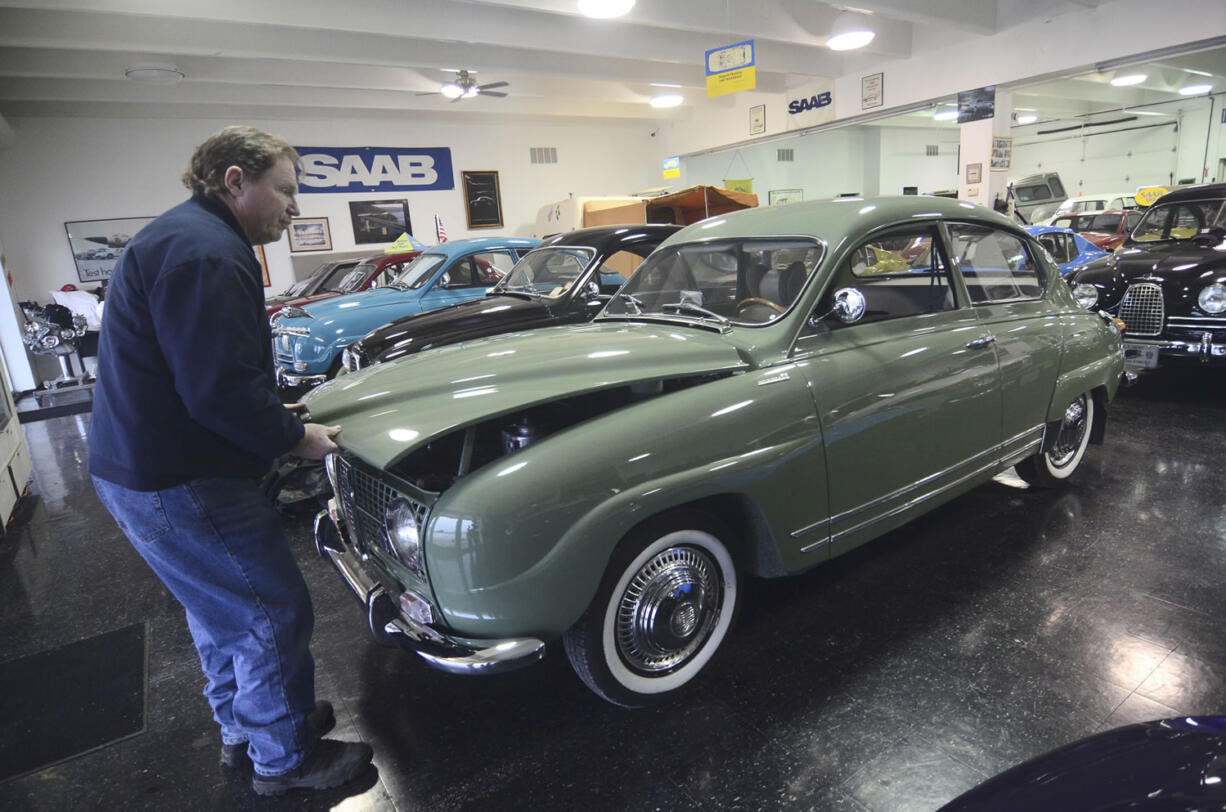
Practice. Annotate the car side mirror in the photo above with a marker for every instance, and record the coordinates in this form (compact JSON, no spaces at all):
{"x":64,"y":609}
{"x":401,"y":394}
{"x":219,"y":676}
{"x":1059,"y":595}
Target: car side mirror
{"x":849,"y":305}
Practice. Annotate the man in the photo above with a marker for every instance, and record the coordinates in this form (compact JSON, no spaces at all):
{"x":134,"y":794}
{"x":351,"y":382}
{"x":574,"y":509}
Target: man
{"x":186,"y":420}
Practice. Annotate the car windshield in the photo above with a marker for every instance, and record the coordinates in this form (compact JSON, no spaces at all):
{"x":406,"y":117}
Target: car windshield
{"x":354,"y":279}
{"x":749,"y":281}
{"x":311,"y":284}
{"x":333,"y":277}
{"x":419,"y":271}
{"x":1180,"y":221}
{"x":548,"y":272}
{"x":1109,"y":223}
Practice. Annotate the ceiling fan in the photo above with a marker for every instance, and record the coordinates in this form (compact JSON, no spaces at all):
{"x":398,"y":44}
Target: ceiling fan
{"x":465,"y":87}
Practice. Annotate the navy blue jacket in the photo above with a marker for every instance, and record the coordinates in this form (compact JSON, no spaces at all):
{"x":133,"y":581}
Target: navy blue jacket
{"x":185,"y":371}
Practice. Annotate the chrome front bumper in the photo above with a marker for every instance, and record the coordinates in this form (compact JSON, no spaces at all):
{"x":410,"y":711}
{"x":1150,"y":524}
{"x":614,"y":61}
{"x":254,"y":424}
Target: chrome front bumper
{"x":1204,"y":349}
{"x":286,"y":380}
{"x":390,"y":624}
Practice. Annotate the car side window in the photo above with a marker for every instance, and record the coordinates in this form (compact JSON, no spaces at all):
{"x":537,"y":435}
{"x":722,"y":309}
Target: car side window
{"x":1058,"y":245}
{"x":900,"y":274}
{"x":490,"y":266}
{"x":616,"y":269}
{"x":996,"y":266}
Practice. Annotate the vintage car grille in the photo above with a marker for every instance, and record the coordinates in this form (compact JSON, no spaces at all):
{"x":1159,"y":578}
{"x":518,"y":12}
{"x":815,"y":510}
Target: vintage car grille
{"x":364,"y":500}
{"x":283,"y":350}
{"x":1142,"y":310}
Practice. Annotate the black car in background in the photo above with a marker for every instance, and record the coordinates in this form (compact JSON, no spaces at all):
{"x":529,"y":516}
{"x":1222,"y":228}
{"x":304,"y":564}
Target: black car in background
{"x":1167,"y":281}
{"x":565,"y":280}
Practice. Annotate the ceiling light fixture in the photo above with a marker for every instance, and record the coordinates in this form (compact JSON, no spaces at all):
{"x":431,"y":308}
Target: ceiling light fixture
{"x":154,"y":74}
{"x":1127,"y":79}
{"x":1193,"y":90}
{"x":850,"y":31}
{"x":667,"y":100}
{"x":604,"y":9}
{"x":945,"y":115}
{"x":451,"y":90}
{"x":1027,"y":118}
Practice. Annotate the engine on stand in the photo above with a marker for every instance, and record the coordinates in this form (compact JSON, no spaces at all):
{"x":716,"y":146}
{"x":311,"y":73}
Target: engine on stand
{"x":54,"y":330}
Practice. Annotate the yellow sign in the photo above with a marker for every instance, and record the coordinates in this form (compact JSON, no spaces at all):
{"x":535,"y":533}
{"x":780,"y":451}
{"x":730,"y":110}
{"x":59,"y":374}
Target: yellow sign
{"x":739,"y":184}
{"x":672,"y":167}
{"x":405,"y":242}
{"x":1148,"y":194}
{"x":732,"y":81}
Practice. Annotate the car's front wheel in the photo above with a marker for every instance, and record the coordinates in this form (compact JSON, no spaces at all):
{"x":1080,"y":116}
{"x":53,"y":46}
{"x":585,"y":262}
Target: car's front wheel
{"x":1058,"y":461}
{"x":666,"y":603}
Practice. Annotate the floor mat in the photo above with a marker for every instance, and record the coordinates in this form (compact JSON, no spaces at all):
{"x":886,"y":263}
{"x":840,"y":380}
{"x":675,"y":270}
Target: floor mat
{"x":61,"y":703}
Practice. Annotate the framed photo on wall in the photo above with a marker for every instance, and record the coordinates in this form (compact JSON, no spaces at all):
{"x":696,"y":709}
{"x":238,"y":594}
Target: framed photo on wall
{"x":309,"y":234}
{"x":1002,"y":152}
{"x":259,"y":254}
{"x":974,"y":173}
{"x":379,"y":220}
{"x":781,"y":197}
{"x":96,"y":244}
{"x":482,"y":199}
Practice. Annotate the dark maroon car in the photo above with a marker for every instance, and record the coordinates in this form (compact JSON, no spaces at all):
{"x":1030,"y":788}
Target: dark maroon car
{"x":340,"y":277}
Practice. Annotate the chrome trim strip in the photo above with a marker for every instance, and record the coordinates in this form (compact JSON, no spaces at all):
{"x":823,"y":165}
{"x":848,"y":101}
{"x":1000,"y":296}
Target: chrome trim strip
{"x":815,"y":545}
{"x":809,"y":528}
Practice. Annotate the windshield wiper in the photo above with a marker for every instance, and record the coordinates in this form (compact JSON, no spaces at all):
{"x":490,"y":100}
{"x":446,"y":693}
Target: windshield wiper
{"x":690,"y":307}
{"x":637,"y":303}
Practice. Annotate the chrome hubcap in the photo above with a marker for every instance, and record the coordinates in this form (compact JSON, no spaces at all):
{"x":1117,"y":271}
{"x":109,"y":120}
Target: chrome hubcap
{"x":1072,"y":430}
{"x":668,"y":609}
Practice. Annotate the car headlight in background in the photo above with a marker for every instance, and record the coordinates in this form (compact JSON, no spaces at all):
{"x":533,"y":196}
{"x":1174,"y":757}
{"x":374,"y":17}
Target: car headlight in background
{"x":1212,"y":299}
{"x":404,"y":534}
{"x":1085,"y":294}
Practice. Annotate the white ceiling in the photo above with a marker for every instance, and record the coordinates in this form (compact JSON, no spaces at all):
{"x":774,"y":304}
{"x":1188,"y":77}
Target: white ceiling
{"x":373,"y":58}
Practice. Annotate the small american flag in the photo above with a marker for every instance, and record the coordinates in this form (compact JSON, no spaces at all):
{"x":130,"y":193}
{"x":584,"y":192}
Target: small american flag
{"x":440,"y":230}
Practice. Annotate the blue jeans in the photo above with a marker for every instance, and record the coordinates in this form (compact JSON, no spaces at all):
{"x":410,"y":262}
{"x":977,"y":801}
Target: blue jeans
{"x":218,"y":546}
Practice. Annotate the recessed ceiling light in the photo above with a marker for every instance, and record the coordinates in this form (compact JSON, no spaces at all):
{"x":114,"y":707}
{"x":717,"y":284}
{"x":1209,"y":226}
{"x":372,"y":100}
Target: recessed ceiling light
{"x":604,"y":9}
{"x":667,"y":100}
{"x":1126,"y":79}
{"x":850,"y":31}
{"x":154,"y":74}
{"x":1192,"y":90}
{"x":945,"y":115}
{"x":1027,"y":118}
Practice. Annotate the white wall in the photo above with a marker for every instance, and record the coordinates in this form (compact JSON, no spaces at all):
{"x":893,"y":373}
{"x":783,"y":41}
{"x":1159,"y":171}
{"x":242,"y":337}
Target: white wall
{"x":86,"y":169}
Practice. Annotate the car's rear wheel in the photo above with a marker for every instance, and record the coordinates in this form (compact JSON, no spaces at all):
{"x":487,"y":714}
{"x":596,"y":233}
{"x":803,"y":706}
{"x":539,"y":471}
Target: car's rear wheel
{"x":1057,"y":462}
{"x":665,"y":605}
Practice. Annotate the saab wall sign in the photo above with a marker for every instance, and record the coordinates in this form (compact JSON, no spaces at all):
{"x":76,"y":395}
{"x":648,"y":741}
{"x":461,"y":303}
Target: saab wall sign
{"x":375,"y":169}
{"x":807,"y":103}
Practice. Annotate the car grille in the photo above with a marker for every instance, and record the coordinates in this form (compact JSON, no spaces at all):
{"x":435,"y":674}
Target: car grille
{"x":283,"y":351}
{"x":364,"y":500}
{"x":1142,"y":310}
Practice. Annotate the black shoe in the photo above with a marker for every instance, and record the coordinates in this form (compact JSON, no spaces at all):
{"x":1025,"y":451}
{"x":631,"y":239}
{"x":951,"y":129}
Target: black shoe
{"x":330,"y":764}
{"x":321,"y":719}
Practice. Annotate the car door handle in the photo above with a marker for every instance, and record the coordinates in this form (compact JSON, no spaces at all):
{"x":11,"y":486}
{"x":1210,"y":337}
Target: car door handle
{"x":980,"y":343}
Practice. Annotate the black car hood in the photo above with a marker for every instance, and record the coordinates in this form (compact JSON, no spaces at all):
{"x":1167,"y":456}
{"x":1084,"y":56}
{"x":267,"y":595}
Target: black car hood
{"x":1174,"y":260}
{"x":449,"y":325}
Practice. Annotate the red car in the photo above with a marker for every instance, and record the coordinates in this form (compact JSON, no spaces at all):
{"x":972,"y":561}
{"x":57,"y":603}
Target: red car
{"x":1106,"y":229}
{"x":343,"y":276}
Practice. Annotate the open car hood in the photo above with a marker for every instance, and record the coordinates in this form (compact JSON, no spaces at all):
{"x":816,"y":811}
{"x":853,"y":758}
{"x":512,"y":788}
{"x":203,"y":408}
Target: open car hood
{"x":388,"y":410}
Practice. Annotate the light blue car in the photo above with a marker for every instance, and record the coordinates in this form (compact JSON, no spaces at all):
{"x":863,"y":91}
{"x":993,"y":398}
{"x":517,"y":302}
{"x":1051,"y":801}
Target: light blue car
{"x":1070,"y":250}
{"x":307,"y":342}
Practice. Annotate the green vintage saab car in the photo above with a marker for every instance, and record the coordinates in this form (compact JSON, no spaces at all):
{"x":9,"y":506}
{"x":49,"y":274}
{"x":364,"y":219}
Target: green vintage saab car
{"x":757,"y":399}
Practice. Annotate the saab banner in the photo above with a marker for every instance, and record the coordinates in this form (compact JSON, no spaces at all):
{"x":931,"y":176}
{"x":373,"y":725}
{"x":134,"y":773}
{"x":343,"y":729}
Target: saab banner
{"x":375,"y":169}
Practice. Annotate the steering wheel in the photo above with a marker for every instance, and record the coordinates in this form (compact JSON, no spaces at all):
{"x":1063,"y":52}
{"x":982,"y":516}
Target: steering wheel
{"x":754,"y":300}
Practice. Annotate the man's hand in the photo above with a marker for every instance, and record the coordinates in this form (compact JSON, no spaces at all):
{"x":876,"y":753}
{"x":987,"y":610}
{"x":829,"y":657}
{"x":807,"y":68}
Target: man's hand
{"x":296,"y":408}
{"x":316,"y":443}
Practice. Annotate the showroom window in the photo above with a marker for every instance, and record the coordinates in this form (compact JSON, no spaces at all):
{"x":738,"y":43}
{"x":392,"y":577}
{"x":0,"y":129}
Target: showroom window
{"x":901,"y":274}
{"x":995,"y":265}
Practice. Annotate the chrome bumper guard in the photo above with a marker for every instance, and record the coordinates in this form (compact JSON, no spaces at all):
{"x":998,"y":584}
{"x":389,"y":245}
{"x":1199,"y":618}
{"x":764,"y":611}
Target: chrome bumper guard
{"x":285,"y":380}
{"x":389,"y":625}
{"x":1203,"y":349}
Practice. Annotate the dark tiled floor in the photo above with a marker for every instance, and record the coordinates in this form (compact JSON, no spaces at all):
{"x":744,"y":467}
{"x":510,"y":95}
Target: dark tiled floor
{"x":998,"y":627}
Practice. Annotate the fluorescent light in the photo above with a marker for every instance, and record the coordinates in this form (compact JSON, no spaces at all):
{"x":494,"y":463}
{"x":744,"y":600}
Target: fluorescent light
{"x":154,"y":74}
{"x":451,"y":90}
{"x":667,"y":100}
{"x":1126,"y":79}
{"x":1027,"y":118}
{"x":1192,"y":90}
{"x":945,"y":115}
{"x":850,"y":31}
{"x":664,"y":84}
{"x":604,"y":9}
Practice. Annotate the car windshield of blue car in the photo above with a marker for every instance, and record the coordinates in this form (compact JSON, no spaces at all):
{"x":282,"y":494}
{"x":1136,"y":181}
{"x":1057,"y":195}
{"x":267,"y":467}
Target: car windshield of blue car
{"x":547,"y":272}
{"x":746,"y":281}
{"x":1180,"y":221}
{"x":419,"y":271}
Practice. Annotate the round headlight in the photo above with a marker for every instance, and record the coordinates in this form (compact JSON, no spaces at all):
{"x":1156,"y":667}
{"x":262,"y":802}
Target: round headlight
{"x":1085,"y":294}
{"x":1213,"y":298}
{"x":67,"y":335}
{"x":49,"y":341}
{"x":403,"y":533}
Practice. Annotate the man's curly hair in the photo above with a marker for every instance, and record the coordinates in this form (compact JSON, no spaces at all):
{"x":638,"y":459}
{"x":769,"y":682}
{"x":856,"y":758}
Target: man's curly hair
{"x":254,"y":151}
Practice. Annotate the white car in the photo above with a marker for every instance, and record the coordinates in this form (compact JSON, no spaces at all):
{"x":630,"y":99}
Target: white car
{"x":1096,"y":202}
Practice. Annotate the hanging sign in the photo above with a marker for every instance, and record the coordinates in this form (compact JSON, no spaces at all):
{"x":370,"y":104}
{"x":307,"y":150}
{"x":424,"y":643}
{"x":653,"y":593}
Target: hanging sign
{"x":405,"y":242}
{"x":375,"y":169}
{"x":739,"y":184}
{"x":731,"y":69}
{"x":672,"y":167}
{"x":810,"y":105}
